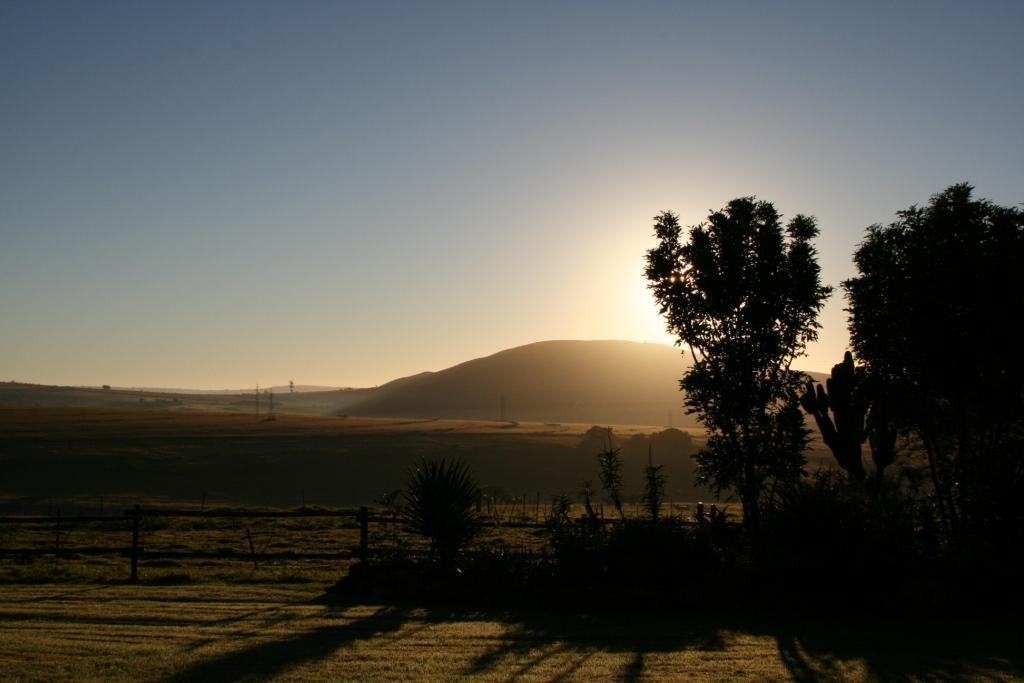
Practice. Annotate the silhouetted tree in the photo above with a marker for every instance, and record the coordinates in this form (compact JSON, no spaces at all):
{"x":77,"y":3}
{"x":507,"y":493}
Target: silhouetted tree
{"x":654,"y":488}
{"x":934,"y":312}
{"x":609,"y":462}
{"x":743,"y":295}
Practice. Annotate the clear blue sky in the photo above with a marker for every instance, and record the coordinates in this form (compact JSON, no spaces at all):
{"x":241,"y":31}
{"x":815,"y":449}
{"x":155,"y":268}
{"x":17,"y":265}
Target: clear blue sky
{"x":214,"y":194}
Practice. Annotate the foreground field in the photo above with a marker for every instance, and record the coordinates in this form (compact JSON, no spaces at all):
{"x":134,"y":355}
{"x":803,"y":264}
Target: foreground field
{"x":225,"y":632}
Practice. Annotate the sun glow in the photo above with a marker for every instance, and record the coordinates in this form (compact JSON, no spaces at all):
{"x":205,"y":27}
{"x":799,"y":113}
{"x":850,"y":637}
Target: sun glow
{"x":650,"y":323}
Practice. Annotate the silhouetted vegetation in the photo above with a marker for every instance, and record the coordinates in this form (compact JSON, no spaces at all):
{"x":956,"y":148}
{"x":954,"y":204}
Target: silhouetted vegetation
{"x":858,"y":414}
{"x":654,"y":488}
{"x":929,"y":318}
{"x":742,"y":294}
{"x":610,"y":464}
{"x":441,"y":501}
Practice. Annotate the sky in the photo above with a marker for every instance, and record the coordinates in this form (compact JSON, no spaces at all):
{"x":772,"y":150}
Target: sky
{"x":219,"y":194}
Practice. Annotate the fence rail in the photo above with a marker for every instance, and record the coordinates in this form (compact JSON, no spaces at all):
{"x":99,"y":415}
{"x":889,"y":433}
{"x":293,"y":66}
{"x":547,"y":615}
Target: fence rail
{"x":300,"y":512}
{"x":31,"y":519}
{"x":136,"y":551}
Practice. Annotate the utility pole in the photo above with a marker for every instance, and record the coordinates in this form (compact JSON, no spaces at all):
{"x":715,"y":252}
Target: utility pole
{"x":257,"y":400}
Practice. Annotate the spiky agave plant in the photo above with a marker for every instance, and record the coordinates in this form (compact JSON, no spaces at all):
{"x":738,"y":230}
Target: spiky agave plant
{"x":440,"y":503}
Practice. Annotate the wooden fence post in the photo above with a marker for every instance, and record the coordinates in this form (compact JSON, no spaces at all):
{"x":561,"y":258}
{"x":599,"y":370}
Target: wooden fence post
{"x":56,"y":554}
{"x":364,"y":534}
{"x":252,"y":548}
{"x":136,"y":518}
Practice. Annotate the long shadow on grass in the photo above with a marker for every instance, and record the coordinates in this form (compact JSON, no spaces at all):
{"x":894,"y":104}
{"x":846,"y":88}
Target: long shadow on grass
{"x":566,"y":640}
{"x":810,"y":648}
{"x":268,"y":659}
{"x":902,"y":650}
{"x":560,"y":642}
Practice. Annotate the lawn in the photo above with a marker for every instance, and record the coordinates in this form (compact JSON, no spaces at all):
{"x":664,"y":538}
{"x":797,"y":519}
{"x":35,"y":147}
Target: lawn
{"x":258,"y":632}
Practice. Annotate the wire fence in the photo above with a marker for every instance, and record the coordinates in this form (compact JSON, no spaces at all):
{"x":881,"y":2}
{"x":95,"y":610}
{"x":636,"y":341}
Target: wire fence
{"x":265,"y":536}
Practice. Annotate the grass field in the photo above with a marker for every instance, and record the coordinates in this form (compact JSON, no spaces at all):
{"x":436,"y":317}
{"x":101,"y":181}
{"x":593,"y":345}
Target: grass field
{"x":259,"y":632}
{"x":75,"y":618}
{"x":80,"y":458}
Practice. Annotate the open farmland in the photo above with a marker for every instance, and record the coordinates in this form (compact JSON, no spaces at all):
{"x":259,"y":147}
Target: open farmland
{"x":85,"y":458}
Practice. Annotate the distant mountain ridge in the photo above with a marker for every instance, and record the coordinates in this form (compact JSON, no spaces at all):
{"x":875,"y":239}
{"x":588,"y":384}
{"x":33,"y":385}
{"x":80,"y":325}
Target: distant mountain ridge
{"x":281,"y":388}
{"x":599,"y":382}
{"x":590,"y":382}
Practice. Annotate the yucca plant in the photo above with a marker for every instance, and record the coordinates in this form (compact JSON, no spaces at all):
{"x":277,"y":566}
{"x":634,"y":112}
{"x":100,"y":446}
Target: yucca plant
{"x":440,"y":503}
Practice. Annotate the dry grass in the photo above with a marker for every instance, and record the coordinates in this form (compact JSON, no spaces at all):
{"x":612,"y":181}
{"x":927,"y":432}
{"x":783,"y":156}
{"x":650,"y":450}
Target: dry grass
{"x":258,"y":632}
{"x":90,"y":422}
{"x":79,"y":459}
{"x":228,"y":537}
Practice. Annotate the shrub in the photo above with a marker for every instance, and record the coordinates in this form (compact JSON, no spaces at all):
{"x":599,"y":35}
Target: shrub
{"x":440,"y":503}
{"x":824,"y":536}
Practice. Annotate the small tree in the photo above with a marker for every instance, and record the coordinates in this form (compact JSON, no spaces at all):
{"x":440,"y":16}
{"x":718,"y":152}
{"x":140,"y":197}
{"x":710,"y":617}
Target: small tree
{"x":654,"y":488}
{"x":743,"y":295}
{"x":609,"y":462}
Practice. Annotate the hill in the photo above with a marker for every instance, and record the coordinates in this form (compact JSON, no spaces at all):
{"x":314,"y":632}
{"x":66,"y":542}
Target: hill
{"x":597,"y":382}
{"x":590,"y":382}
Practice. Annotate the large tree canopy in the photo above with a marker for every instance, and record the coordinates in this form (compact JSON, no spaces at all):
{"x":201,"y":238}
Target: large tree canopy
{"x":743,"y":295}
{"x":935,"y":317}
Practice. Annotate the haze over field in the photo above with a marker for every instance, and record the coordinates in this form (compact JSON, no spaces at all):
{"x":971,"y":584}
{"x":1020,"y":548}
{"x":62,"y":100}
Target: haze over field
{"x":586,"y":382}
{"x":573,"y":381}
